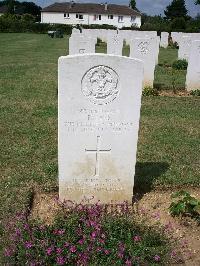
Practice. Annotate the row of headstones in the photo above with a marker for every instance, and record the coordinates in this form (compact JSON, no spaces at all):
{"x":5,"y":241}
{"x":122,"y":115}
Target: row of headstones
{"x":189,"y":49}
{"x":143,"y":46}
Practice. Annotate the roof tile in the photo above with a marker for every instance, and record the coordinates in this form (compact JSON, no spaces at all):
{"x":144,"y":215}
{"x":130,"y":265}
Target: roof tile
{"x":91,"y":8}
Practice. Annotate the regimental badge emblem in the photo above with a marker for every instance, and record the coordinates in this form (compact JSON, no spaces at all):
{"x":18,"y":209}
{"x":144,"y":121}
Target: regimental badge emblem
{"x":143,"y":47}
{"x":100,"y":85}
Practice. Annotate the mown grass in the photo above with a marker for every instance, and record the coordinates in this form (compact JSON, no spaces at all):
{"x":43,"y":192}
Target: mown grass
{"x":165,"y":77}
{"x":168,"y":149}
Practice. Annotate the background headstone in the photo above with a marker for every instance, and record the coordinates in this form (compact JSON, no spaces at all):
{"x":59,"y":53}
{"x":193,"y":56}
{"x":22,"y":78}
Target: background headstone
{"x":193,"y":70}
{"x":184,"y":47}
{"x":145,"y":49}
{"x":164,"y":39}
{"x":115,"y":45}
{"x":80,"y":44}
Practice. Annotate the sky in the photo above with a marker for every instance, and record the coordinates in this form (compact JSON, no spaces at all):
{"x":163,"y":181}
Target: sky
{"x":150,"y":7}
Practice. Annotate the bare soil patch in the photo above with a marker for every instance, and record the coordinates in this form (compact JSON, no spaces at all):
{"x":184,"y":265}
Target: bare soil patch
{"x":154,"y":207}
{"x":170,"y":93}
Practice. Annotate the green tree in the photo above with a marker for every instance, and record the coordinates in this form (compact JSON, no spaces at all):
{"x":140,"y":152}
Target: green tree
{"x":177,"y":8}
{"x":11,"y":6}
{"x":197,"y":2}
{"x":133,"y":4}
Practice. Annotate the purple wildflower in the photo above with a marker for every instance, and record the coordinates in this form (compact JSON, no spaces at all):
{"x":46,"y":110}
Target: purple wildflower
{"x":59,"y":250}
{"x":128,"y":262}
{"x":102,"y":241}
{"x":60,"y":260}
{"x":120,"y":255}
{"x":73,"y":249}
{"x":7,"y":252}
{"x":99,"y":249}
{"x":156,"y":258}
{"x":26,"y":226}
{"x":168,"y":227}
{"x":61,"y":232}
{"x":81,"y":241}
{"x":66,"y":244}
{"x":137,"y":239}
{"x":93,"y":235}
{"x":107,"y":252}
{"x":173,"y":254}
{"x":49,"y":251}
{"x":28,"y":245}
{"x":18,"y":232}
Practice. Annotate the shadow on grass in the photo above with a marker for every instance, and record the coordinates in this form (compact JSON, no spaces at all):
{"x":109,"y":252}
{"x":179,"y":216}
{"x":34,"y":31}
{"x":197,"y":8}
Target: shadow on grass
{"x":145,"y":175}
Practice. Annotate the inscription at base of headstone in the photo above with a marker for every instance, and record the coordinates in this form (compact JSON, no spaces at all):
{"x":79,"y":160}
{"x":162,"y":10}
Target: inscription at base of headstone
{"x":99,"y":111}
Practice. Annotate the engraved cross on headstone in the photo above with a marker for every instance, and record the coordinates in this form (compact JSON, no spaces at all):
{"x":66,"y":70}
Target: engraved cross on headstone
{"x":97,"y":152}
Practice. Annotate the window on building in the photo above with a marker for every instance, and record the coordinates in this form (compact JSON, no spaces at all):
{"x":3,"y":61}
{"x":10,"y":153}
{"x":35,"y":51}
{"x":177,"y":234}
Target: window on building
{"x":66,"y":15}
{"x":120,"y":19}
{"x":95,"y":17}
{"x":79,"y":16}
{"x":99,"y":17}
{"x":133,"y":18}
{"x":110,"y":16}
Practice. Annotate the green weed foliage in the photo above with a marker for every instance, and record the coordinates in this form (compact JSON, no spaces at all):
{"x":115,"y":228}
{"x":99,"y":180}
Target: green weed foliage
{"x":180,"y":64}
{"x":184,"y":204}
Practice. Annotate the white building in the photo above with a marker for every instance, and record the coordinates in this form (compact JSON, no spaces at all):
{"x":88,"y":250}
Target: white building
{"x":87,"y":14}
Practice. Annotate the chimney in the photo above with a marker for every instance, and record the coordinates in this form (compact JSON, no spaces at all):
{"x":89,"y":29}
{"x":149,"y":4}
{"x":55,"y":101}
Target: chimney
{"x":106,"y":6}
{"x":71,"y":4}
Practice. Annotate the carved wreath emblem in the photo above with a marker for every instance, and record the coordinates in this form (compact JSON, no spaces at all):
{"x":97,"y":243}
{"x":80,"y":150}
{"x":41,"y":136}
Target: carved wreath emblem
{"x":100,"y":85}
{"x":143,"y":47}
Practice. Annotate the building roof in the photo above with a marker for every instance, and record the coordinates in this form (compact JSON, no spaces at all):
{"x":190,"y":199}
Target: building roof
{"x":3,"y":9}
{"x":90,"y":8}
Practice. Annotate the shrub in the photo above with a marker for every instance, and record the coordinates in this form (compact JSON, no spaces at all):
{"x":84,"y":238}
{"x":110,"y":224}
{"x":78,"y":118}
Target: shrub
{"x":178,"y":24}
{"x":85,"y":235}
{"x":173,"y":45}
{"x":180,"y":64}
{"x":103,"y":26}
{"x":99,"y":41}
{"x":195,"y":93}
{"x":149,"y":91}
{"x":184,"y":204}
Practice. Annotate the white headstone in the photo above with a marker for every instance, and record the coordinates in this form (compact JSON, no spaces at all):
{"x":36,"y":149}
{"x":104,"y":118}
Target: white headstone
{"x":157,"y":49}
{"x":176,"y":36}
{"x":75,"y":31}
{"x":184,"y":47}
{"x":145,"y":49}
{"x":193,"y":70}
{"x":80,"y":44}
{"x":164,"y":39}
{"x":99,"y":111}
{"x":115,"y":45}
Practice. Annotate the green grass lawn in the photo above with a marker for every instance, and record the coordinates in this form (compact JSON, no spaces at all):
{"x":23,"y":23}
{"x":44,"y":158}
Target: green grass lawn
{"x":169,"y":143}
